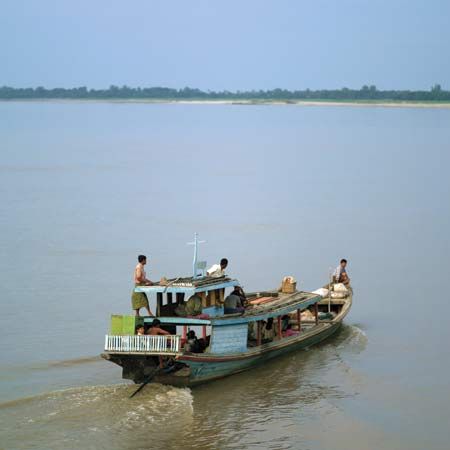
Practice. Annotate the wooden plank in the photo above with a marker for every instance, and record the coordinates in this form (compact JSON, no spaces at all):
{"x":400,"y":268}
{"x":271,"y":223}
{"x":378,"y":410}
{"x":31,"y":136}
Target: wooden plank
{"x":280,"y":334}
{"x":212,"y":298}
{"x":179,"y":321}
{"x":159,"y":299}
{"x":258,"y":333}
{"x":202,"y":295}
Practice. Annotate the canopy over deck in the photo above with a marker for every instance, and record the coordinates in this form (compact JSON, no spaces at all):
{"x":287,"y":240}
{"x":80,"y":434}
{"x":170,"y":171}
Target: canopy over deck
{"x":189,"y":285}
{"x":281,"y":305}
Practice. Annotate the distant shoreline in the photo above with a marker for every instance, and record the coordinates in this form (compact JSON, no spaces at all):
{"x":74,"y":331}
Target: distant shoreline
{"x":352,"y":103}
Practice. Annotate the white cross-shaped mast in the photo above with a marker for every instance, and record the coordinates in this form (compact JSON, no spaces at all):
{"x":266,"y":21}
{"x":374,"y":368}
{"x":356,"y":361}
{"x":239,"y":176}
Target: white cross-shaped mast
{"x":195,"y":244}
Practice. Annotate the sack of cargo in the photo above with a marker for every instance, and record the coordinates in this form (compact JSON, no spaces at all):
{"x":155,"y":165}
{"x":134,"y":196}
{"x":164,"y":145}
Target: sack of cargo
{"x":338,"y":294}
{"x":339,"y":287}
{"x":288,"y":285}
{"x":307,"y":315}
{"x":321,"y":291}
{"x":193,"y":306}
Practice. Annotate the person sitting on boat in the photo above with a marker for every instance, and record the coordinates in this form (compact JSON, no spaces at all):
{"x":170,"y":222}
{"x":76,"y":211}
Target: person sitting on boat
{"x":285,"y":322}
{"x":218,"y":270}
{"x":267,"y":330}
{"x":290,"y":332}
{"x":340,"y":274}
{"x":191,"y":308}
{"x":233,"y":305}
{"x":192,"y":344}
{"x":139,"y":299}
{"x":155,"y":329}
{"x":240,"y":293}
{"x":139,"y":329}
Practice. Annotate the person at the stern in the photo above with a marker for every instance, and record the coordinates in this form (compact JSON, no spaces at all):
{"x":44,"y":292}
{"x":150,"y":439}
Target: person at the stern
{"x":340,"y":274}
{"x":139,"y":299}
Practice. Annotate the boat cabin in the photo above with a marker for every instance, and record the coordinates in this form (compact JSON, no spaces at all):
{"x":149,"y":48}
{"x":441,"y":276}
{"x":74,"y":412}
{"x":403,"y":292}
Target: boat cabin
{"x":172,"y":296}
{"x":267,"y":317}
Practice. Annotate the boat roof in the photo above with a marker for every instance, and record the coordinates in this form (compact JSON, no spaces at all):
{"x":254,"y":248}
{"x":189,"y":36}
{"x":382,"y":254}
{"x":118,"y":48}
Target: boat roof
{"x":189,"y":285}
{"x":280,"y":305}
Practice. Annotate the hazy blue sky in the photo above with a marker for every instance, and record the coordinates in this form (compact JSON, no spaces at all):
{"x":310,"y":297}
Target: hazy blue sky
{"x":225,"y":44}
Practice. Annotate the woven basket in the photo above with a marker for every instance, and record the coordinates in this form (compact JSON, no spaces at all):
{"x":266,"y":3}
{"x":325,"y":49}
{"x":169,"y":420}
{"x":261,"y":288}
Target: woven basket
{"x":288,"y":286}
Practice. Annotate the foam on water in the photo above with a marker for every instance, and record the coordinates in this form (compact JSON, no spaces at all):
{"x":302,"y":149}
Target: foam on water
{"x":102,"y":411}
{"x":104,"y":416}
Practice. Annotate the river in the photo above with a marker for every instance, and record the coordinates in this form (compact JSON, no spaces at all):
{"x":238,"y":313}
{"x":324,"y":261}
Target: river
{"x":278,"y":190}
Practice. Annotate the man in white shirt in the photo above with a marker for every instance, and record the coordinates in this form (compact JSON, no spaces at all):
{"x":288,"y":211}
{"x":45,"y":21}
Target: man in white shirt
{"x":340,"y":274}
{"x":218,"y":270}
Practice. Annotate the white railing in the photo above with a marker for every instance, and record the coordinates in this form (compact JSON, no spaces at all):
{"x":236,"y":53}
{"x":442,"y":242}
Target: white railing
{"x":164,"y":344}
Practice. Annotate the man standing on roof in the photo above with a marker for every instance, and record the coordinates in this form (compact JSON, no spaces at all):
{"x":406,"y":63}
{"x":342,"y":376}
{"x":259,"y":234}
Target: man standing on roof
{"x":340,"y":274}
{"x":218,"y":270}
{"x":139,"y":299}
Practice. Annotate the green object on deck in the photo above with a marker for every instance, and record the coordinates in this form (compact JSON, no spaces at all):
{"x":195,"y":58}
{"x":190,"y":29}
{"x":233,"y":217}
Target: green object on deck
{"x":116,"y":324}
{"x":124,"y":325}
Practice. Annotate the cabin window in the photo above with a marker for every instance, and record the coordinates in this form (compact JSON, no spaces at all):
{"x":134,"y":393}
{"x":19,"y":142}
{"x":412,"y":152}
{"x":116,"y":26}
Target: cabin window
{"x":215,"y":297}
{"x":274,"y":328}
{"x":167,"y":303}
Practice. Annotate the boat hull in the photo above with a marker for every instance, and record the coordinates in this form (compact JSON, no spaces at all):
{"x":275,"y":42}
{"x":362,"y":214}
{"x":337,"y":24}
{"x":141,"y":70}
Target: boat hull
{"x":204,"y":368}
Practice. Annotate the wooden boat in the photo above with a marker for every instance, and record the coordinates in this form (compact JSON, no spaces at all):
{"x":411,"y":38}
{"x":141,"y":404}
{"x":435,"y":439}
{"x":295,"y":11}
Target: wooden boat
{"x":236,"y":341}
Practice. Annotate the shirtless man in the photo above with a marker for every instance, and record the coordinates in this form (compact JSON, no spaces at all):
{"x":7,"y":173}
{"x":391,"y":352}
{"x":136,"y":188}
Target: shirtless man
{"x":139,"y":299}
{"x":155,"y":330}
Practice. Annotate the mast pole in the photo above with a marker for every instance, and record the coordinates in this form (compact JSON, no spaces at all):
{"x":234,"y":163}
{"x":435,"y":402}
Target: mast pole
{"x":194,"y":263}
{"x":330,"y":280}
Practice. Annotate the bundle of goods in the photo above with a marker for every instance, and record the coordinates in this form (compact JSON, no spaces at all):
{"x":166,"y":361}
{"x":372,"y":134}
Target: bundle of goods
{"x":288,"y":285}
{"x":339,"y":291}
{"x":307,"y":315}
{"x":321,"y":291}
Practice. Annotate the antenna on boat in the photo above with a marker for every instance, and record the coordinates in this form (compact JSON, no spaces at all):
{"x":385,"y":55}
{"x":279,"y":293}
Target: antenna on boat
{"x":194,"y":262}
{"x":330,"y":279}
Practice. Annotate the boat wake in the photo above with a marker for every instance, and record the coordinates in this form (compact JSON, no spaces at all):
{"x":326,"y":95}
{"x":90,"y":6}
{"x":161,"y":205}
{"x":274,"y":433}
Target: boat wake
{"x":80,"y":417}
{"x":46,"y":365}
{"x":75,"y":361}
{"x":351,"y":339}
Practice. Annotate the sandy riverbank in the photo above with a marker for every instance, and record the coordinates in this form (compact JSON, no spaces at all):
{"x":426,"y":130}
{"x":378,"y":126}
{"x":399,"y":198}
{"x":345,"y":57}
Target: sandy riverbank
{"x":362,"y":103}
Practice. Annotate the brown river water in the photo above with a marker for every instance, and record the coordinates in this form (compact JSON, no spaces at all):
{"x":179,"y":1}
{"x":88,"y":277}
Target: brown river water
{"x":279,"y":190}
{"x":251,"y":410}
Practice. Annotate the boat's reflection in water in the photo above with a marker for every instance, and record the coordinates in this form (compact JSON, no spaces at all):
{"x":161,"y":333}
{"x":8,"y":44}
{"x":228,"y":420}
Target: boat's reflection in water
{"x":269,"y":403}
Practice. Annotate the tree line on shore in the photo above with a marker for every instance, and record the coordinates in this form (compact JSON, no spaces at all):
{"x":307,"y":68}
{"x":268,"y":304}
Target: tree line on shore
{"x":371,"y":93}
